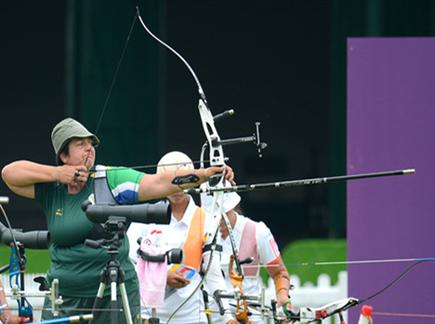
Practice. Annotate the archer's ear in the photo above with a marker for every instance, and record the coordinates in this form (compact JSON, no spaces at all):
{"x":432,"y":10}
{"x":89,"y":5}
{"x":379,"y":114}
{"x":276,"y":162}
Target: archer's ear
{"x":63,"y":157}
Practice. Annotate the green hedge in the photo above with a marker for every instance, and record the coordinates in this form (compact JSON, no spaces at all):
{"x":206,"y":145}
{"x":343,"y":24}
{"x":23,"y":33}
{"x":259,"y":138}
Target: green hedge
{"x":38,"y":261}
{"x":309,"y":251}
{"x":313,"y":251}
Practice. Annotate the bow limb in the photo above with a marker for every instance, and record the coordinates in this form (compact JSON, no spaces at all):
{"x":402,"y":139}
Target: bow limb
{"x":311,"y":314}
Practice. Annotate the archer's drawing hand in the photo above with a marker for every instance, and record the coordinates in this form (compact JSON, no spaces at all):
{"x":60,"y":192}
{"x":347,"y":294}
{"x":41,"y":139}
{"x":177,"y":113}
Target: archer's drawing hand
{"x":72,"y":174}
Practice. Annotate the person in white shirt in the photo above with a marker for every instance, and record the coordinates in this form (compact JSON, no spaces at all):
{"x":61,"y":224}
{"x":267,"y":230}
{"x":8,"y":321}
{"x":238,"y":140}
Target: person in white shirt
{"x":186,"y":231}
{"x":252,"y":239}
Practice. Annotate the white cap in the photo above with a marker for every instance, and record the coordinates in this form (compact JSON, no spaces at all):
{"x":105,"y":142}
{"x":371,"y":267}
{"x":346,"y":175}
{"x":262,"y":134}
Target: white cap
{"x":231,"y":200}
{"x":174,"y":160}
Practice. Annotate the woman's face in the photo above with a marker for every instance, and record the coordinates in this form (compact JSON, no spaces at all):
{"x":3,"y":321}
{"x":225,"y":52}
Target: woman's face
{"x":80,"y":152}
{"x":178,"y":198}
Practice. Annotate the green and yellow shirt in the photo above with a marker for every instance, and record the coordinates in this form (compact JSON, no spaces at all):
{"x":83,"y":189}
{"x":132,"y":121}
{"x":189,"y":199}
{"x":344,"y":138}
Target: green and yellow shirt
{"x":76,"y":265}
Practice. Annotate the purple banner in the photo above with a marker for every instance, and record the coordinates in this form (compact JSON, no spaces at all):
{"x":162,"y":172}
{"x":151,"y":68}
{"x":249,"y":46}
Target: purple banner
{"x":391,"y":125}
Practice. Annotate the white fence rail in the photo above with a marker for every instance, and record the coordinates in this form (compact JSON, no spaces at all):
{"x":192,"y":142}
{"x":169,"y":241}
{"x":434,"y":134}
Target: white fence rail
{"x":306,"y":295}
{"x":314,"y":295}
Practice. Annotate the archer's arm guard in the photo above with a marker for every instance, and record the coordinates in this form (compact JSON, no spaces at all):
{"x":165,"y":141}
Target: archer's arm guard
{"x":282,"y":282}
{"x":280,"y":276}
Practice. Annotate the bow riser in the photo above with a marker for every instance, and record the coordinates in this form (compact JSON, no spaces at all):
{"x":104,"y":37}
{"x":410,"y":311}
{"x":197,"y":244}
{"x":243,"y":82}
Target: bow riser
{"x":217,"y":157}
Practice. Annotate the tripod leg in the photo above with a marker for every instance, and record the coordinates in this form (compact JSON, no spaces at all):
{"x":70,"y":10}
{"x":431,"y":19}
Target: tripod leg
{"x":113,"y":297}
{"x":98,"y":301}
{"x":125,"y":303}
{"x":153,"y":319}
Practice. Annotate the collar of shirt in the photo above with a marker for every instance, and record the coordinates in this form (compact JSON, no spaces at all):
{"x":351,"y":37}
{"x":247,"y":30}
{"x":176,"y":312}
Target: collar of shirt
{"x":187,"y":217}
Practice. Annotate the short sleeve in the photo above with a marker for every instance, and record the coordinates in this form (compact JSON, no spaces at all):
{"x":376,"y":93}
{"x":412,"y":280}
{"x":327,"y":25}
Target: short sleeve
{"x":124,"y":184}
{"x":267,"y":248}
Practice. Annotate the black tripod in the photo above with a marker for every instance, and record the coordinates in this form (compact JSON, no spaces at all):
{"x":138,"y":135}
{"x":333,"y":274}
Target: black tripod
{"x":112,"y":272}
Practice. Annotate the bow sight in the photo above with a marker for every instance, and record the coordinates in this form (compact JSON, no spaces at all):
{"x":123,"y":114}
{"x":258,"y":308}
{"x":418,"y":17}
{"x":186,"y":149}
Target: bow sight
{"x":254,"y":138}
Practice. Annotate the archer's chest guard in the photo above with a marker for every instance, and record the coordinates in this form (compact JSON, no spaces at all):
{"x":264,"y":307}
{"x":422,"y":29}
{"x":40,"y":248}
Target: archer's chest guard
{"x":102,"y":193}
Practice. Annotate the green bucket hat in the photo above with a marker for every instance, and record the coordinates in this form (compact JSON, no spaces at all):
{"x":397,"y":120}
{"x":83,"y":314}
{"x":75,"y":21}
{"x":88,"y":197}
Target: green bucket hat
{"x":67,"y":129}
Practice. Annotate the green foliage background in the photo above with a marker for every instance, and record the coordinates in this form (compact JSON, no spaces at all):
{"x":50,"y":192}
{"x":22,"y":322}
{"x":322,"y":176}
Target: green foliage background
{"x":38,"y":261}
{"x":308,"y":251}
